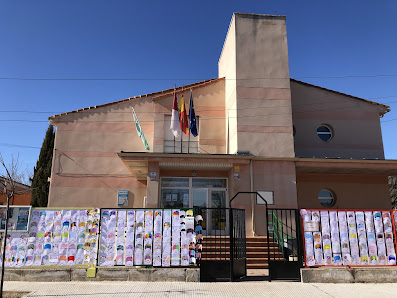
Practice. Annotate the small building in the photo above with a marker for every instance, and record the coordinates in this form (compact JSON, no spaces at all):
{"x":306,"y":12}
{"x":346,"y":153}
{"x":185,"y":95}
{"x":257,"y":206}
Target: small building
{"x":22,"y":194}
{"x":300,"y":145}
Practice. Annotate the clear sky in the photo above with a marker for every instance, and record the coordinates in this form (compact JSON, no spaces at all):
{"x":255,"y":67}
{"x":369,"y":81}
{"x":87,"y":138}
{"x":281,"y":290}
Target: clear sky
{"x":175,"y":42}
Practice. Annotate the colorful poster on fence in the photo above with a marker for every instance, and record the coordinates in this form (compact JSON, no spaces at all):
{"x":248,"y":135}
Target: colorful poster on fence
{"x":350,"y":238}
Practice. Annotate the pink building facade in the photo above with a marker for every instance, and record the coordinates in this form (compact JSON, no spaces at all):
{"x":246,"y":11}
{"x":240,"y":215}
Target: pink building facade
{"x":301,"y":146}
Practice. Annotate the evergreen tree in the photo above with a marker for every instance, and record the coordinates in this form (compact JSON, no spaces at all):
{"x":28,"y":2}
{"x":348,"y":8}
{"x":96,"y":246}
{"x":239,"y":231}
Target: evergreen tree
{"x":42,"y":170}
{"x":393,"y":191}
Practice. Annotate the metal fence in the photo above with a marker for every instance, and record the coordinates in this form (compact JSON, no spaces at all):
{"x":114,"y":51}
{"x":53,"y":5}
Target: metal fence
{"x":285,"y":260}
{"x":224,"y":245}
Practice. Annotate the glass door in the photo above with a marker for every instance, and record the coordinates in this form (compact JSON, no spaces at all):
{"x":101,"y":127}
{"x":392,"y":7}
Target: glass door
{"x":219,"y":221}
{"x":200,"y":199}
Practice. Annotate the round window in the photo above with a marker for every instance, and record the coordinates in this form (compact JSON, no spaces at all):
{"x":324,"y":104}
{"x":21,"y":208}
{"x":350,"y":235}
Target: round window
{"x":326,"y":198}
{"x":324,"y":132}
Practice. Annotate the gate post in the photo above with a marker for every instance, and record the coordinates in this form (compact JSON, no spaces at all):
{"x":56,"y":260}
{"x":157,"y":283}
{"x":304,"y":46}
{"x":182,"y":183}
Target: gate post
{"x":231,"y":242}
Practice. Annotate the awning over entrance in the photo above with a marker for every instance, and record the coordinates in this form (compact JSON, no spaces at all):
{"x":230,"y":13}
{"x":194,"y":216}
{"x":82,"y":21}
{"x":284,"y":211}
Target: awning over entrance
{"x":137,"y":162}
{"x":346,"y":166}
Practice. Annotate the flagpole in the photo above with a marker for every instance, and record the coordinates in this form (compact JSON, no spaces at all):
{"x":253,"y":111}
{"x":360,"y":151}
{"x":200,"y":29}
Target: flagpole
{"x":171,"y":116}
{"x":188,"y":142}
{"x":179,"y":122}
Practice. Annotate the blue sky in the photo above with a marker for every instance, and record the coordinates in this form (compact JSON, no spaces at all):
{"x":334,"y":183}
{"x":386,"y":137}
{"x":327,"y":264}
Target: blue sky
{"x":175,"y":42}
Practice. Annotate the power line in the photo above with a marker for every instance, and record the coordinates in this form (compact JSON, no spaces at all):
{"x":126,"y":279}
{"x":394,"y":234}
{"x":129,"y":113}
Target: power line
{"x":15,"y":145}
{"x":239,"y":109}
{"x":191,"y":79}
{"x":202,"y":117}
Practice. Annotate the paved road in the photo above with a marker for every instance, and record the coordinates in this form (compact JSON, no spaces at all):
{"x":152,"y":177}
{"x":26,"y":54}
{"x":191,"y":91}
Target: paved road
{"x":182,"y":289}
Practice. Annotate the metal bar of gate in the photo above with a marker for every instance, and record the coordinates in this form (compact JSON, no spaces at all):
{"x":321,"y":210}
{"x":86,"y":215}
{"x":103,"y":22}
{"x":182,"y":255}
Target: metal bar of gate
{"x":231,"y":243}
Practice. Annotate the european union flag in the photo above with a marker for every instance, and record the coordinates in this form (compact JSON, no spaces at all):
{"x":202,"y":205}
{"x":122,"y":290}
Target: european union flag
{"x":192,"y":117}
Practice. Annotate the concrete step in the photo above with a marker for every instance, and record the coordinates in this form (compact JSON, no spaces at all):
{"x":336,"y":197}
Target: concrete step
{"x":261,"y":260}
{"x":249,"y":255}
{"x":258,"y":239}
{"x":258,"y":266}
{"x":259,"y":249}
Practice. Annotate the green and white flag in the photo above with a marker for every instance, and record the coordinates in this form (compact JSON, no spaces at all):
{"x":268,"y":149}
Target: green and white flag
{"x":139,"y":130}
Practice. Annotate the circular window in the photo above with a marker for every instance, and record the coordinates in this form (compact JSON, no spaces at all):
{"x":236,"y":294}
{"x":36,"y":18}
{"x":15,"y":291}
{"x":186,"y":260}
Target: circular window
{"x":326,"y":198}
{"x":324,"y":132}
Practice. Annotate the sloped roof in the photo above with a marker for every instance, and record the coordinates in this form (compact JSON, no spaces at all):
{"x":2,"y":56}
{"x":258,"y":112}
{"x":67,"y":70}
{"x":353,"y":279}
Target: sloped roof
{"x":156,"y":95}
{"x":167,"y":92}
{"x":386,"y":108}
{"x":20,"y":188}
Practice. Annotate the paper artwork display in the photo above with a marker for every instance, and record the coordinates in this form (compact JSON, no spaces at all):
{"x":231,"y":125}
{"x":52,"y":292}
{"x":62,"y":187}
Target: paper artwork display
{"x":157,"y":237}
{"x":53,"y":239}
{"x":130,"y":238}
{"x":148,"y":237}
{"x":350,"y":238}
{"x":139,"y":234}
{"x":120,"y":242}
{"x":148,"y":241}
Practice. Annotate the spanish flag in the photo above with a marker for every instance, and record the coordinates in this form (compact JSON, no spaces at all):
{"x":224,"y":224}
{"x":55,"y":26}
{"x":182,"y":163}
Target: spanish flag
{"x":184,"y":124}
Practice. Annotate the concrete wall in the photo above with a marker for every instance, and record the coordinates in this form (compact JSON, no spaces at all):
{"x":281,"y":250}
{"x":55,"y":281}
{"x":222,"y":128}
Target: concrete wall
{"x":264,"y":124}
{"x":209,"y":106}
{"x":351,"y":191}
{"x":254,"y":61}
{"x":276,"y":176}
{"x":86,"y":169}
{"x":356,"y":124}
{"x":227,"y":69}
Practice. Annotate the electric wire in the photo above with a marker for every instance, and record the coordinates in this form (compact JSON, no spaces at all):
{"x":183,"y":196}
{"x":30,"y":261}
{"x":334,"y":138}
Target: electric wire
{"x":194,"y":79}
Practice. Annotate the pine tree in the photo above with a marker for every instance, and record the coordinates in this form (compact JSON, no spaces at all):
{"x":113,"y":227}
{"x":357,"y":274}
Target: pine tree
{"x":40,"y":184}
{"x":393,"y":191}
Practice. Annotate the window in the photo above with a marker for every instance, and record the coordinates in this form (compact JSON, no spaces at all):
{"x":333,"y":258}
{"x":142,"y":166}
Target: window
{"x":173,"y":145}
{"x":324,"y":132}
{"x":326,"y":198}
{"x":176,"y":192}
{"x":209,"y":183}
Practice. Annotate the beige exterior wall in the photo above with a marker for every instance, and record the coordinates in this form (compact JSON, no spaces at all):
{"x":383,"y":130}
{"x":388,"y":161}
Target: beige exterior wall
{"x":254,"y":61}
{"x":248,"y":111}
{"x":351,"y":191}
{"x":86,"y":169}
{"x":227,"y":69}
{"x":356,"y":124}
{"x":276,"y":176}
{"x":263,"y":92}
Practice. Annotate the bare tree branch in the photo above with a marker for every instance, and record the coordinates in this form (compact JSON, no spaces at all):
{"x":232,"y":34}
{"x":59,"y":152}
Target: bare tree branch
{"x":8,"y":183}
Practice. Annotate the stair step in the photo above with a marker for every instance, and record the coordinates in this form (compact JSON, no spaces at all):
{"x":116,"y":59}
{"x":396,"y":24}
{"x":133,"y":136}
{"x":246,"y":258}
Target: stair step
{"x":257,"y":266}
{"x":262,"y":260}
{"x":249,"y":249}
{"x":249,"y":255}
{"x":259,"y":239}
{"x":262,"y":249}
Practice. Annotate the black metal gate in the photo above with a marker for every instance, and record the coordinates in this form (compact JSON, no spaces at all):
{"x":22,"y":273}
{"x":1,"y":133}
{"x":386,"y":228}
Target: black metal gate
{"x":224,"y":245}
{"x":285,"y":259}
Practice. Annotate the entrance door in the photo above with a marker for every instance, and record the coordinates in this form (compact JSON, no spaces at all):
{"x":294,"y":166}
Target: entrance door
{"x":215,"y":221}
{"x":200,"y":199}
{"x":219,"y":217}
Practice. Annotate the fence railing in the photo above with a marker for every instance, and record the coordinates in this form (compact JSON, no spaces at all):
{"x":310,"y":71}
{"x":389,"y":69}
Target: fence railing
{"x":285,"y":253}
{"x":224,"y":244}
